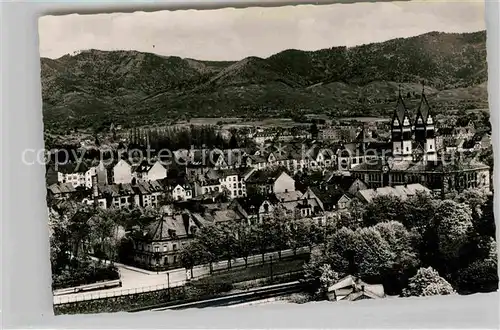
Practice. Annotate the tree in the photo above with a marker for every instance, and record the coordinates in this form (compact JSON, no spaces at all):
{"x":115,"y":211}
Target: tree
{"x":229,"y":243}
{"x":328,"y":278}
{"x":383,"y":208}
{"x":70,"y":225}
{"x":318,"y":273}
{"x":340,"y":251}
{"x":298,"y":235}
{"x":485,"y":225}
{"x":476,"y":199}
{"x":372,"y":254}
{"x":211,"y":238}
{"x":405,"y":262}
{"x":453,"y":222}
{"x":79,"y":228}
{"x":261,"y":238}
{"x":479,"y":276}
{"x":246,"y":242}
{"x":427,"y":282}
{"x":103,"y":226}
{"x":279,"y":231}
{"x":314,"y":130}
{"x":193,"y":254}
{"x":418,"y":211}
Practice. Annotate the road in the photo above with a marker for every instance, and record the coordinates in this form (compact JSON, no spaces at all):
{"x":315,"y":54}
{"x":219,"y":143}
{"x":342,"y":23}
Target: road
{"x":136,"y":280}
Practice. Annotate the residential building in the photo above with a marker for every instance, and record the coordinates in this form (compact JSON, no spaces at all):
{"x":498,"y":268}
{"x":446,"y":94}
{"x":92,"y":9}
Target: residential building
{"x":160,"y":247}
{"x":73,"y":173}
{"x":271,"y":181}
{"x":61,"y":190}
{"x":122,"y":172}
{"x":149,"y":171}
{"x":127,"y":195}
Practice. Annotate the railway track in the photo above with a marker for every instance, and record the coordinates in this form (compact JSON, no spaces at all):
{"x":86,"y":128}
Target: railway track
{"x":235,"y":298}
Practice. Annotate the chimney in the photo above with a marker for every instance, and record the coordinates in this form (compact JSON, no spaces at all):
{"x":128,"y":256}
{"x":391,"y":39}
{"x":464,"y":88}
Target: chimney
{"x":363,"y":288}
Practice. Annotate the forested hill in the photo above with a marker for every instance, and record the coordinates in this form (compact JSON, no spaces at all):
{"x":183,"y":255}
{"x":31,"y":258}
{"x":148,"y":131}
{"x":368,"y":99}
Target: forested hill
{"x":94,"y":87}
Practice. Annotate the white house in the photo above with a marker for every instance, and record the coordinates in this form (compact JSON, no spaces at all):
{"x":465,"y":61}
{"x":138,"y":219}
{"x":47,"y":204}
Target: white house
{"x":182,"y":192}
{"x":122,"y":172}
{"x":149,"y":172}
{"x":157,"y":172}
{"x":233,"y":182}
{"x":284,"y":183}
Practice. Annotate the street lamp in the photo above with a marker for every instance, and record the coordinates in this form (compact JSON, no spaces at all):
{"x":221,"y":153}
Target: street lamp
{"x":168,"y":285}
{"x":271,"y":266}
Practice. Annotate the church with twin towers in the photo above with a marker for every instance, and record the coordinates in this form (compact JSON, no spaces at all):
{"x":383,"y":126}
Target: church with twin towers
{"x":415,"y":158}
{"x":413,"y":137}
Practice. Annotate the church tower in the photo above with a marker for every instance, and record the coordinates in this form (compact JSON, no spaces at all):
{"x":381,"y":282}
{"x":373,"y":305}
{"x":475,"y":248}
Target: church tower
{"x":424,"y":129}
{"x":401,"y":131}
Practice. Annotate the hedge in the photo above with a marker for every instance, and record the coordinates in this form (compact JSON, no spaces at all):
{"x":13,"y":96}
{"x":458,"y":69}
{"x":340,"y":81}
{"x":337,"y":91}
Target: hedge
{"x":82,"y":276}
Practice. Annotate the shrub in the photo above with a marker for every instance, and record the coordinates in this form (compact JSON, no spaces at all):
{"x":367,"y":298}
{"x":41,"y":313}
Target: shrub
{"x":480,"y":276}
{"x":84,"y":274}
{"x":427,"y":282}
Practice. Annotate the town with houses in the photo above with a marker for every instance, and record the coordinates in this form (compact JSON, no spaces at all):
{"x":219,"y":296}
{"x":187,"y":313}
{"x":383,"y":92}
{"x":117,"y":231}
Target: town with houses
{"x":313,"y":175}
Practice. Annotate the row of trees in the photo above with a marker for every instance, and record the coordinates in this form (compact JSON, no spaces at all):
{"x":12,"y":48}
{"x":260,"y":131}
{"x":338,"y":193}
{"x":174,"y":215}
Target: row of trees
{"x":174,"y":138}
{"x":388,"y":240}
{"x":214,"y":243}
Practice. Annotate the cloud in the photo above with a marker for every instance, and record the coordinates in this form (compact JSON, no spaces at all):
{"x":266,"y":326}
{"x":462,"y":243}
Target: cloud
{"x":232,"y":34}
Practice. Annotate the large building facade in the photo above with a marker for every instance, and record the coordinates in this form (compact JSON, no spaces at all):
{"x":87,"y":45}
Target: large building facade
{"x":414,"y":157}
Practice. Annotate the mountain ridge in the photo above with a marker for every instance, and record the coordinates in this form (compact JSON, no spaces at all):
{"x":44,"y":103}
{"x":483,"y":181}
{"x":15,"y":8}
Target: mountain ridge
{"x":94,"y":86}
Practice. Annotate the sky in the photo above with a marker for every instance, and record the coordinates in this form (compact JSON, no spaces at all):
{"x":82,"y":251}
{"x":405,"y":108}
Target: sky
{"x":233,"y":34}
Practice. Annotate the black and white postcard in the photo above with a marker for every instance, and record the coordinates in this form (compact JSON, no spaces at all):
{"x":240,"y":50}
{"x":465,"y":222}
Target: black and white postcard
{"x":286,"y":155}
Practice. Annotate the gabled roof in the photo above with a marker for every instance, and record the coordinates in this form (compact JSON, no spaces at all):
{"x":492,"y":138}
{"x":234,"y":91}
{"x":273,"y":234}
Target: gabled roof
{"x":70,"y":168}
{"x":226,"y":215}
{"x":266,"y":176}
{"x":171,"y":227}
{"x":288,"y":196}
{"x":128,"y":189}
{"x":364,"y":137}
{"x":172,"y":182}
{"x":401,"y":112}
{"x":352,"y":288}
{"x":142,"y":167}
{"x":402,"y":192}
{"x":252,"y":203}
{"x":328,"y":197}
{"x":423,"y":110}
{"x":61,"y":188}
